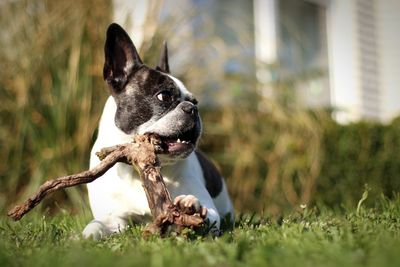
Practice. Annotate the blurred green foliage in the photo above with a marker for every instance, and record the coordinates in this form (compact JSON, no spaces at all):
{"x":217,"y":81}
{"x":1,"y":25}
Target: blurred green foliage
{"x":274,"y":154}
{"x":51,"y":91}
{"x":359,"y":155}
{"x":271,"y":159}
{"x":301,"y":157}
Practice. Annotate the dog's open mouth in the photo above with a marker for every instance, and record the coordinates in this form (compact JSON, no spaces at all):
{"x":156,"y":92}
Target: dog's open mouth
{"x":181,"y":143}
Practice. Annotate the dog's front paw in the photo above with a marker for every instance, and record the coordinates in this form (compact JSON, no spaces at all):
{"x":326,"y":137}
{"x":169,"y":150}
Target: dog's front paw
{"x":95,"y":230}
{"x":190,"y":205}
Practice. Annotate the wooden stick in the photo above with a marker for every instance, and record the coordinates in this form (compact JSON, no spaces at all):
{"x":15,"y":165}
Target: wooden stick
{"x":141,"y":154}
{"x":66,"y":181}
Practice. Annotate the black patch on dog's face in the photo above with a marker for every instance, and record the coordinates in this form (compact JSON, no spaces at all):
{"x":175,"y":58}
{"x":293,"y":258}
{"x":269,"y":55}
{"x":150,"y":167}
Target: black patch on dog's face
{"x":139,"y":100}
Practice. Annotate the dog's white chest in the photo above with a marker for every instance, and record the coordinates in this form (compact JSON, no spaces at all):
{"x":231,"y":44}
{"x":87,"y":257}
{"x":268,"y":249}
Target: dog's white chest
{"x":119,"y":193}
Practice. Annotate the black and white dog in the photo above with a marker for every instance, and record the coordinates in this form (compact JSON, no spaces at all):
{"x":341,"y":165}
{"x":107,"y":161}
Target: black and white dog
{"x":146,"y":100}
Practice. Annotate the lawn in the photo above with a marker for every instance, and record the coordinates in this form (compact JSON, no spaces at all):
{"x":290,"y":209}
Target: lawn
{"x":307,"y":237}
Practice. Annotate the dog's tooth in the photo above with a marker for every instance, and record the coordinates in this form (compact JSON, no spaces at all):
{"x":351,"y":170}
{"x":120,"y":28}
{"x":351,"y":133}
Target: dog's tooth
{"x":179,"y":140}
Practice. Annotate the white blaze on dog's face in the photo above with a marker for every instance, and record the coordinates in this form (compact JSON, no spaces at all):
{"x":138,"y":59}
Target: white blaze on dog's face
{"x":150,"y":100}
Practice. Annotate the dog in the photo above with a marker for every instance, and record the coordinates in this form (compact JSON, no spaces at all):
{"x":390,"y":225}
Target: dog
{"x":146,"y":100}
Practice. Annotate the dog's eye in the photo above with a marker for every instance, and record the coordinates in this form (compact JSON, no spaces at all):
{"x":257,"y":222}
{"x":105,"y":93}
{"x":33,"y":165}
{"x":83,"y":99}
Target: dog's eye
{"x":164,"y":96}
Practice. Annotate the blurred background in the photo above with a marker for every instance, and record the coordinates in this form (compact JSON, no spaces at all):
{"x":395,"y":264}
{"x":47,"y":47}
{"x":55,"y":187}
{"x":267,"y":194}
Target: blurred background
{"x":299,"y":98}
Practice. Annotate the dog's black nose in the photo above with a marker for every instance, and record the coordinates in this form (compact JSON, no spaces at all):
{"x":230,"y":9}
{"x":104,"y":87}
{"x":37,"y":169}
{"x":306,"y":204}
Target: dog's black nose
{"x":188,"y":108}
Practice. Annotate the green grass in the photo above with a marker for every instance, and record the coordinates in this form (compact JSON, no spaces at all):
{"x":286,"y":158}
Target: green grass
{"x":308,"y":237}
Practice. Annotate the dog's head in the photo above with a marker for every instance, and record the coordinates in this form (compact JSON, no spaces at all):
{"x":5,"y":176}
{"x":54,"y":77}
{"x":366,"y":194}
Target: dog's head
{"x":149,"y":100}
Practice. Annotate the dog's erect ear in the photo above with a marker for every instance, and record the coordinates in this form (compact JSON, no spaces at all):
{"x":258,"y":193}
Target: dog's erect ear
{"x":163,"y":63}
{"x":121,"y":57}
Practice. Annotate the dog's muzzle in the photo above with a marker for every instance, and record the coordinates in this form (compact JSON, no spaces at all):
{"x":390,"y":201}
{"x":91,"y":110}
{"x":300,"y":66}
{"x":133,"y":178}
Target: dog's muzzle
{"x":184,"y":139}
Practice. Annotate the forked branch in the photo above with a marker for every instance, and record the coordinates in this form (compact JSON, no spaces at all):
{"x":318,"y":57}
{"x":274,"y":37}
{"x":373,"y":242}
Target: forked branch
{"x":141,"y":153}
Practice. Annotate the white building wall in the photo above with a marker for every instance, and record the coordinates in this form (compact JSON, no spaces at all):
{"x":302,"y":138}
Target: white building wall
{"x":368,"y":61}
{"x":355,"y":92}
{"x":388,"y":24}
{"x":342,"y":53}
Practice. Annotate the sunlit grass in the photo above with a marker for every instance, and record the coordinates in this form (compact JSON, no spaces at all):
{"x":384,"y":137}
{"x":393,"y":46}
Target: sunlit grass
{"x":310,"y":237}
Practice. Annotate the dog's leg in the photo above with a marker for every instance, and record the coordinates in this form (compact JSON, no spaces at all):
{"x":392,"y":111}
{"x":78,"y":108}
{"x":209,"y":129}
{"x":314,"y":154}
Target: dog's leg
{"x":98,"y":229}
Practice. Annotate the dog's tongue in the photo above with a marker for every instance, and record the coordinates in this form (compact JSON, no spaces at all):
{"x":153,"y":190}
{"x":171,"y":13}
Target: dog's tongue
{"x":175,"y":146}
